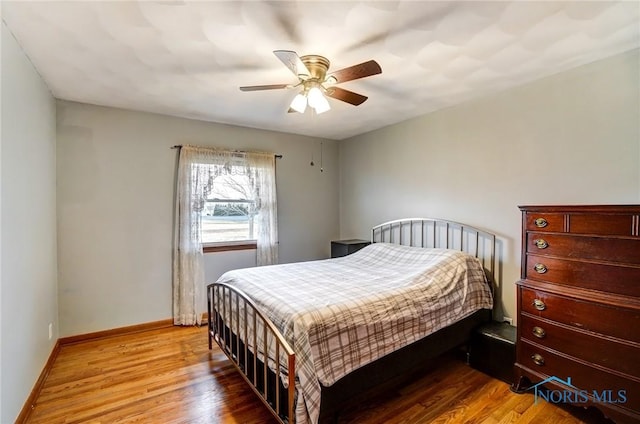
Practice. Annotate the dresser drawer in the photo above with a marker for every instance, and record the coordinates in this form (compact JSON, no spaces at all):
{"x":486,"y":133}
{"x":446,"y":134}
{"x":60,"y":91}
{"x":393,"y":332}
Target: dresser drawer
{"x":599,"y":318}
{"x":584,"y":377}
{"x":553,"y":222}
{"x":609,"y":278}
{"x":618,"y":356}
{"x":581,"y":223}
{"x":624,"y":250}
{"x":602,"y":224}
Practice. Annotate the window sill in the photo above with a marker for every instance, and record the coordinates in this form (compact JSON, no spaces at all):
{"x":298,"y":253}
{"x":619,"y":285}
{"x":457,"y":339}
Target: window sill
{"x":228,"y":247}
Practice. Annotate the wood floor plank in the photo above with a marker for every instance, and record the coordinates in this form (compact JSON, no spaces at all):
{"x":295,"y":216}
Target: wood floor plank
{"x":169,"y":376}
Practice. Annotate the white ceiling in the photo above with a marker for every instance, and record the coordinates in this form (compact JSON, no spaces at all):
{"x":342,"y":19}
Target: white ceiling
{"x":188,"y":59}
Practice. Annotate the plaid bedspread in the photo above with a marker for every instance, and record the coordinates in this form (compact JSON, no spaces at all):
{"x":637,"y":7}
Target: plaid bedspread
{"x":340,"y":314}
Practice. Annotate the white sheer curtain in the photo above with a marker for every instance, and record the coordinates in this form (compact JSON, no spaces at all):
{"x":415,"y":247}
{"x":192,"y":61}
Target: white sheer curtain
{"x":197,"y":167}
{"x":263,"y":178}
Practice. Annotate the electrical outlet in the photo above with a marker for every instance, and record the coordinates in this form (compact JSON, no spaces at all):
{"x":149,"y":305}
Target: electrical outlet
{"x":507,"y":320}
{"x":50,"y":330}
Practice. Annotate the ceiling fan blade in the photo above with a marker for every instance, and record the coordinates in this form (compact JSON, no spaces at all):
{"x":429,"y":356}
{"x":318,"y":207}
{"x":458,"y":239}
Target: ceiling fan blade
{"x":264,"y":87}
{"x":365,"y":69}
{"x":292,"y":61}
{"x":346,"y":96}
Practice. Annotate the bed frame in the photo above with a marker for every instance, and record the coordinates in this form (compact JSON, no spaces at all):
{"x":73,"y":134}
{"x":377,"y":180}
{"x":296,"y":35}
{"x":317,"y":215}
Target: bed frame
{"x":257,"y":328}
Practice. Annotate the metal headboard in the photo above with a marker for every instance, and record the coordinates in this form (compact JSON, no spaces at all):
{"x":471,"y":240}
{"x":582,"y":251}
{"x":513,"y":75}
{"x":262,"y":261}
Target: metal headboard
{"x":440,"y":233}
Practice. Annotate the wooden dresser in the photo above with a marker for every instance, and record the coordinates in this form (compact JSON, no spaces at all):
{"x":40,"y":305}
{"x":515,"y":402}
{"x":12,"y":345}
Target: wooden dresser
{"x":579,"y":306}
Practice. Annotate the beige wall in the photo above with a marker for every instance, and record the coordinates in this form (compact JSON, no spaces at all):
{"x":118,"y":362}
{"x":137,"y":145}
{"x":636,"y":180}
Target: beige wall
{"x":572,"y":138}
{"x":116,"y":176}
{"x":28,"y":240}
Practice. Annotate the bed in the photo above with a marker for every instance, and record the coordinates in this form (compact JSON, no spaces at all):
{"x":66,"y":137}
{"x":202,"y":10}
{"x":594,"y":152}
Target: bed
{"x":311,"y":337}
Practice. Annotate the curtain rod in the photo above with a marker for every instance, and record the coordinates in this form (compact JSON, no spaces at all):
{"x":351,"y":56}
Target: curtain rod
{"x":178,"y":146}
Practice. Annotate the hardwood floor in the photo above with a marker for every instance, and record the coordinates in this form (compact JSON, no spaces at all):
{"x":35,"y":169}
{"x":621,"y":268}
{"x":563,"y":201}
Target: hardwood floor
{"x":170,"y":376}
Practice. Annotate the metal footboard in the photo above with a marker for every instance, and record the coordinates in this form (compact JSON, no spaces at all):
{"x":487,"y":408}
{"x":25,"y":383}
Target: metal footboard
{"x":255,"y":347}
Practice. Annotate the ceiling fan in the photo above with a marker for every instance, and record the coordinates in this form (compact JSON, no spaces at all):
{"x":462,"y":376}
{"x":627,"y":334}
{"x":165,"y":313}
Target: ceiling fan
{"x":311,"y":71}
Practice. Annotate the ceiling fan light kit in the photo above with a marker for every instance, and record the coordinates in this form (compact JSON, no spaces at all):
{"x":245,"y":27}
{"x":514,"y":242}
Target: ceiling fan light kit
{"x":311,"y":71}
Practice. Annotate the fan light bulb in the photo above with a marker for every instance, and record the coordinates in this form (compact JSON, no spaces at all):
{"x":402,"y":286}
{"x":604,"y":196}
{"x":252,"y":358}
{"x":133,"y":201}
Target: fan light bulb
{"x":299,"y":103}
{"x":322,"y":106}
{"x":318,"y":101}
{"x":314,"y":97}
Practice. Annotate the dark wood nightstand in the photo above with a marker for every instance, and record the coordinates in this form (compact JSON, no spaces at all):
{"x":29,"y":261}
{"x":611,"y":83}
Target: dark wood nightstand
{"x":492,"y":350}
{"x":346,"y":247}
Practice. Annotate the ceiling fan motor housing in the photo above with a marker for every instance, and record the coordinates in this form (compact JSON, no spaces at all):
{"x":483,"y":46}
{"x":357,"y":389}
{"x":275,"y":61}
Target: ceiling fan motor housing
{"x":317,"y":66}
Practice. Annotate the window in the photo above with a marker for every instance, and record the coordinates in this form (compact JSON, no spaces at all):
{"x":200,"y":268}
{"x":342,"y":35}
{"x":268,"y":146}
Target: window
{"x":226,"y":200}
{"x":229,"y":210}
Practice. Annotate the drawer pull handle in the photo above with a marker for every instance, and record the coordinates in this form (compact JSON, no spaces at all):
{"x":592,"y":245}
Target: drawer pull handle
{"x":540,"y":222}
{"x":540,"y":268}
{"x":537,"y":359}
{"x":539,"y":332}
{"x":541,"y":243}
{"x":539,"y":304}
